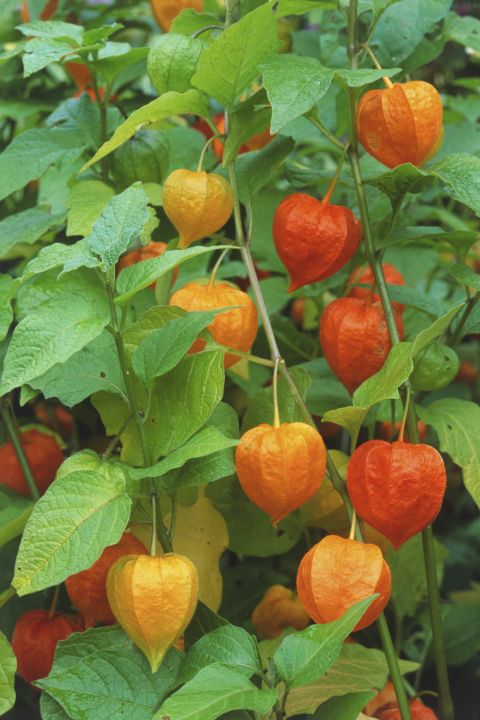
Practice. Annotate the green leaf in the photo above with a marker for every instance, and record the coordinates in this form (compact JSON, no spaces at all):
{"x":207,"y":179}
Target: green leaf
{"x":172,"y":61}
{"x":162,"y":349}
{"x":249,"y":528}
{"x":79,"y":515}
{"x":456,"y":422}
{"x":403,"y":26}
{"x":189,"y":393}
{"x":461,"y":627}
{"x":8,"y":665}
{"x":52,"y":29}
{"x":100,"y":674}
{"x":304,"y":657}
{"x":214,"y":691}
{"x":458,"y":172}
{"x":8,"y":287}
{"x":25,"y":228}
{"x":152,"y":319}
{"x":463,"y":30}
{"x":249,"y":118}
{"x":30,"y":154}
{"x":295,"y":84}
{"x":465,"y":275}
{"x":121,"y":222}
{"x":41,"y":52}
{"x":112,"y":66}
{"x":231,"y":62}
{"x":50,"y":709}
{"x":171,"y":103}
{"x":229,"y":645}
{"x":14,"y":513}
{"x":92,"y":369}
{"x":358,"y":669}
{"x":409,"y":584}
{"x":189,"y":21}
{"x":347,"y":707}
{"x":206,"y":442}
{"x":69,"y":257}
{"x":300,"y":7}
{"x":86,"y":201}
{"x":255,"y":170}
{"x":52,"y":333}
{"x":136,"y":277}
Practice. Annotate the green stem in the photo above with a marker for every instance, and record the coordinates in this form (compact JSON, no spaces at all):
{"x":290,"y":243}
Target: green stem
{"x":445,"y":699}
{"x":19,"y":451}
{"x":456,"y":335}
{"x":394,"y":668}
{"x":315,"y":120}
{"x":137,"y":418}
{"x":54,"y":603}
{"x":7,"y":595}
{"x":153,"y":544}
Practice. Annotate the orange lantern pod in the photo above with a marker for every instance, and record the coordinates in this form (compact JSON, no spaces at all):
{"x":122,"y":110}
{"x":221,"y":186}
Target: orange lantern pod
{"x":35,"y":638}
{"x":88,"y":589}
{"x":48,"y":11}
{"x":355,"y":340}
{"x":153,"y":599}
{"x":56,"y":417}
{"x":401,"y":123}
{"x":197,"y":203}
{"x":313,"y":238}
{"x":280,"y":468}
{"x":235,"y":328}
{"x":278,"y":610}
{"x":337,"y":573}
{"x":44,"y":457}
{"x":397,"y":488}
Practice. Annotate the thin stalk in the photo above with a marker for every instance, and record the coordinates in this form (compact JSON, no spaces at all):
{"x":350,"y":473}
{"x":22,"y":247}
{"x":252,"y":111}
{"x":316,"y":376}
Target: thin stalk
{"x":315,"y":120}
{"x":19,"y":451}
{"x":54,"y":603}
{"x":462,"y":322}
{"x":114,"y":442}
{"x":276,"y":413}
{"x":394,"y":668}
{"x":7,"y":595}
{"x":201,"y":159}
{"x":153,"y":544}
{"x":137,"y":418}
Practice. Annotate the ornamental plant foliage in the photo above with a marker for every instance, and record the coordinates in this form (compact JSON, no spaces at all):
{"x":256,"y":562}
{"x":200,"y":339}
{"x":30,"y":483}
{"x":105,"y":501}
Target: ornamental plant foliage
{"x":239,"y":340}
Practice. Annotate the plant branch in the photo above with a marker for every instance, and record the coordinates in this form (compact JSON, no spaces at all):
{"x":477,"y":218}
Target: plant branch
{"x":19,"y":451}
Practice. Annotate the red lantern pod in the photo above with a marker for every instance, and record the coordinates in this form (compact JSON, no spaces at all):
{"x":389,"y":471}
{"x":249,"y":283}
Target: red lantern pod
{"x":355,"y":340}
{"x":397,"y":488}
{"x":314,"y":239}
{"x":418,"y":711}
{"x":364,"y":276}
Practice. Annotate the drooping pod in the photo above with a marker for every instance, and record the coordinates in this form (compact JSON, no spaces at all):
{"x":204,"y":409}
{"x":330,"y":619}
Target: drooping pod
{"x":197,"y":203}
{"x":355,"y":340}
{"x":337,"y":573}
{"x":280,"y":468}
{"x":35,"y":638}
{"x":397,"y":488}
{"x":43,"y":455}
{"x":153,"y":599}
{"x":235,"y":328}
{"x":88,"y":589}
{"x":364,"y":276}
{"x":402,"y":123}
{"x":313,"y":238}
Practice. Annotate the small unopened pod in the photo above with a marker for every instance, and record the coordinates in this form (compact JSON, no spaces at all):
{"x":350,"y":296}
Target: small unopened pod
{"x":397,"y":488}
{"x":278,"y":610}
{"x":314,"y":239}
{"x":153,"y":599}
{"x":280,"y":468}
{"x":402,"y":123}
{"x":197,"y":203}
{"x":338,"y":573}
